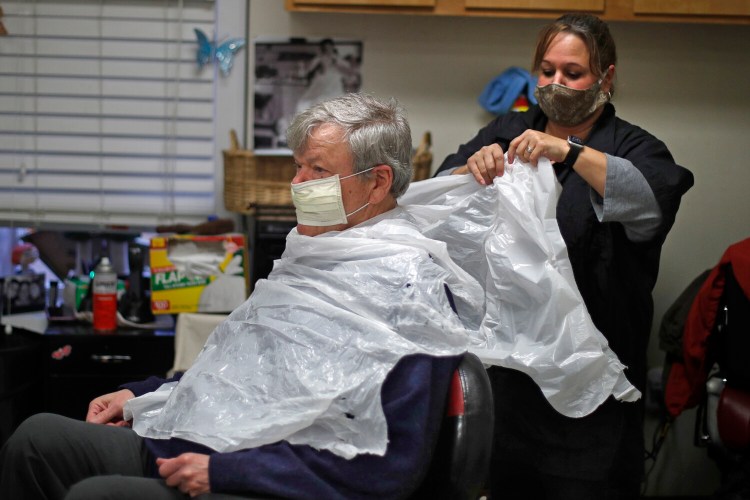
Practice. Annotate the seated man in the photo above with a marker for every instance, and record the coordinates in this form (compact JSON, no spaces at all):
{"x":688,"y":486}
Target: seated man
{"x":329,"y":381}
{"x":301,"y":393}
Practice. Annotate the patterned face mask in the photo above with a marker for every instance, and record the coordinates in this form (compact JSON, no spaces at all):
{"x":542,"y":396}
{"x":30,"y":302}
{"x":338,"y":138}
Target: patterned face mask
{"x":319,"y":202}
{"x":568,"y":107}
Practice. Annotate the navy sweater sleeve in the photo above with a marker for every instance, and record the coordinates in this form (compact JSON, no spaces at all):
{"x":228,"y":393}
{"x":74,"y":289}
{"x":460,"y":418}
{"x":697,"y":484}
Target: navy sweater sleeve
{"x":149,"y":385}
{"x":413,"y":398}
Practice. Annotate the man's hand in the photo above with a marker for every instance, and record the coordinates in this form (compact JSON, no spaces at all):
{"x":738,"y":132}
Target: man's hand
{"x":107,"y":409}
{"x":187,"y":472}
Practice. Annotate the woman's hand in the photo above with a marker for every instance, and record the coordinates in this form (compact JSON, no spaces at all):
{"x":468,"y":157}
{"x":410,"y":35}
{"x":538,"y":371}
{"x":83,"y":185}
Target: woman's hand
{"x":187,"y":472}
{"x":107,"y":409}
{"x":532,"y":145}
{"x":485,"y":164}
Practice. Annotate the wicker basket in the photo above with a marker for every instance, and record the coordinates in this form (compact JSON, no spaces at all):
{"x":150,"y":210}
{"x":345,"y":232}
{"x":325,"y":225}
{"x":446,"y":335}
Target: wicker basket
{"x":422,"y":159}
{"x":252,"y":180}
{"x":255,"y":180}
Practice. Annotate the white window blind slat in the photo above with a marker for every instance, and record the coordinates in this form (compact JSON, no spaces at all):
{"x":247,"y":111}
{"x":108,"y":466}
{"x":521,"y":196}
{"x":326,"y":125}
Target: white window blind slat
{"x":111,"y":209}
{"x":115,"y":184}
{"x":105,"y":116}
{"x":144,"y":165}
{"x":80,"y":68}
{"x":72,"y":27}
{"x":74,"y":46}
{"x":148,"y":147}
{"x":184,"y":129}
{"x":108,"y":106}
{"x":49,"y":84}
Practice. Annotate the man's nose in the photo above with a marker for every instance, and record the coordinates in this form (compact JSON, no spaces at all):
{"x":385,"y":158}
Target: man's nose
{"x":302,"y":175}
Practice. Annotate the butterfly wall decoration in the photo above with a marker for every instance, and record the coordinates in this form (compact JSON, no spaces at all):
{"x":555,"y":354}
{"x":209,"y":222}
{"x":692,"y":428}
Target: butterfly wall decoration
{"x":223,"y":54}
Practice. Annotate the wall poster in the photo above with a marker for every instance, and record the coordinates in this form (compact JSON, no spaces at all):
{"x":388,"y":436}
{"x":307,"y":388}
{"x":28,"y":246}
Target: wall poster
{"x":293,"y":74}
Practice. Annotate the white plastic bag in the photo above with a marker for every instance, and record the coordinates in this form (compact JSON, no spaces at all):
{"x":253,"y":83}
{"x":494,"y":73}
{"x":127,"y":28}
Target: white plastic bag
{"x":313,"y":344}
{"x":305,"y":357}
{"x":507,"y":237}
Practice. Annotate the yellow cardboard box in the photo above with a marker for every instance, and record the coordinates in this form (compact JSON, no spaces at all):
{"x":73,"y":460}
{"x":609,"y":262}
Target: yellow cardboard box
{"x":192,"y":273}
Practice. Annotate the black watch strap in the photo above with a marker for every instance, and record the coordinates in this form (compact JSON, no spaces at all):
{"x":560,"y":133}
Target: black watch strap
{"x":576,"y":145}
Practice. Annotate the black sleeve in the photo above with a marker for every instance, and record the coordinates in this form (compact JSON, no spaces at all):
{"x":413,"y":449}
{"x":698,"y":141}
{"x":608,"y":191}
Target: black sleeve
{"x":668,"y":180}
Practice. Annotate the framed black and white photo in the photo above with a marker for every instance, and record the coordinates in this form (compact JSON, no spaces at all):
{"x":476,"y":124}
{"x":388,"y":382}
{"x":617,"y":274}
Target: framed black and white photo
{"x":293,"y":74}
{"x":22,"y":293}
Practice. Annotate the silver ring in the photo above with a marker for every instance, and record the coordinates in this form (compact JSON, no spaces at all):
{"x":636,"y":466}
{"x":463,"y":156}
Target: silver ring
{"x":529,"y":149}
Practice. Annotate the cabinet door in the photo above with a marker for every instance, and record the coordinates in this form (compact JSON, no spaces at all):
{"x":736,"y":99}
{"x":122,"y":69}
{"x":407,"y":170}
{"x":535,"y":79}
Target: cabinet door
{"x":82,"y":367}
{"x":567,"y":5}
{"x":369,"y":3}
{"x":693,"y":7}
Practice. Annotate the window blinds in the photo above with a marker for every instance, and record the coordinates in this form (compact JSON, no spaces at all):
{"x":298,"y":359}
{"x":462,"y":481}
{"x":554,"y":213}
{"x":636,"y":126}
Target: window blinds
{"x":105,"y":116}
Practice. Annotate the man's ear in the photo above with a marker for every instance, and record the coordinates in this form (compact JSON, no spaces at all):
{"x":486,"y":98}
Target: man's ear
{"x":383,"y":177}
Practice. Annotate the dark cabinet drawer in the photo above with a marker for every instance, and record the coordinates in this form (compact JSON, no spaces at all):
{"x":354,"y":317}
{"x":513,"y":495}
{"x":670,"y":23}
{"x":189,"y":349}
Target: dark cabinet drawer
{"x":109,"y":355}
{"x":80,"y":367}
{"x":21,"y":379}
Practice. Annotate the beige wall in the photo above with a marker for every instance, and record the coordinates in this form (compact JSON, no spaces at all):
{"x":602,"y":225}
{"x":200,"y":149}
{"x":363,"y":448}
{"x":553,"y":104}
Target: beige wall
{"x":685,"y":83}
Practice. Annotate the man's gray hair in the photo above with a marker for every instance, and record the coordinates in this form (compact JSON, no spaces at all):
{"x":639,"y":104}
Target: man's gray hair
{"x":376,"y":131}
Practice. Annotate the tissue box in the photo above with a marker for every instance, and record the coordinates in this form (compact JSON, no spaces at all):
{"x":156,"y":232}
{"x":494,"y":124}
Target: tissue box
{"x":191,"y":273}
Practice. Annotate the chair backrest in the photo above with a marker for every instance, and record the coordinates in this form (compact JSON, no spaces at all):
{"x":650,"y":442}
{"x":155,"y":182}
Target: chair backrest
{"x":733,"y":335}
{"x":461,"y":459}
{"x":732,"y":343}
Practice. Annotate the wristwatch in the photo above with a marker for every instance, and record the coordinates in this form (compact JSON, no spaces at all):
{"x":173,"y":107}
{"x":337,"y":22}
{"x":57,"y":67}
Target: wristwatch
{"x":576,"y":145}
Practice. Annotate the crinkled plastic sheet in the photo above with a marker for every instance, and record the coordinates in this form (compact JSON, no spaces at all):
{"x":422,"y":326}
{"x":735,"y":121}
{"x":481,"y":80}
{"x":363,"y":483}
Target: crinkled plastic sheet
{"x":533,"y":317}
{"x":304,"y":358}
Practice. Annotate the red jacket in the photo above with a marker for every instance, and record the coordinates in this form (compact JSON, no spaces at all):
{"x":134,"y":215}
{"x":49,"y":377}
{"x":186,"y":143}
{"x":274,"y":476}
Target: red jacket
{"x":687,"y":378}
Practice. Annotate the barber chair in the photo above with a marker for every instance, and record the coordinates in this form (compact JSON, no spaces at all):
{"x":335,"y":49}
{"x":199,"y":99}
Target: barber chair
{"x":461,"y":458}
{"x":724,"y":420}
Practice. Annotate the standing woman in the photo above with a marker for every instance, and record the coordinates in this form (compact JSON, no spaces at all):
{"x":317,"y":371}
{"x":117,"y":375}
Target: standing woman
{"x":621,"y":191}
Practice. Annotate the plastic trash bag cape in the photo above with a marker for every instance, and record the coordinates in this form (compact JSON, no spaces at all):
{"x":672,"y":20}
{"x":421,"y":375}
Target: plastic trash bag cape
{"x":304,"y":358}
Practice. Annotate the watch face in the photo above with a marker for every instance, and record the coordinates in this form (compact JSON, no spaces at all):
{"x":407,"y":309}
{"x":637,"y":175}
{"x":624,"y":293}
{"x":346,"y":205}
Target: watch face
{"x":574,"y":139}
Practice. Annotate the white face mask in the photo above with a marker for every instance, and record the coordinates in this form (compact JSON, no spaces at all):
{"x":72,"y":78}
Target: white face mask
{"x":319,"y":202}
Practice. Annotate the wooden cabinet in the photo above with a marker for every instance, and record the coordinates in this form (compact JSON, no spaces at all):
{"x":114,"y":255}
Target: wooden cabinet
{"x":365,"y":6}
{"x":693,"y":7}
{"x":81,"y":365}
{"x":685,"y":11}
{"x":537,"y":5}
{"x":62,"y":370}
{"x":21,"y":380}
{"x":370,"y":3}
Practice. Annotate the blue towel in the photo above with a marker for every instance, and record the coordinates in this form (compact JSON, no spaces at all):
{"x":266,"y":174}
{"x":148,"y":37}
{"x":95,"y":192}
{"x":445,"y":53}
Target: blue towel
{"x":503,"y":90}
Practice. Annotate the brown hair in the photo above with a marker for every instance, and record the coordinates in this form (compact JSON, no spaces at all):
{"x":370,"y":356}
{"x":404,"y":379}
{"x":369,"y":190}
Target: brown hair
{"x":591,"y":30}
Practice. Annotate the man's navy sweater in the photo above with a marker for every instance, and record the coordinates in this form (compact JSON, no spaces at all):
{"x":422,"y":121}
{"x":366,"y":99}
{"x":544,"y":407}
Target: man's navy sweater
{"x":413,"y":398}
